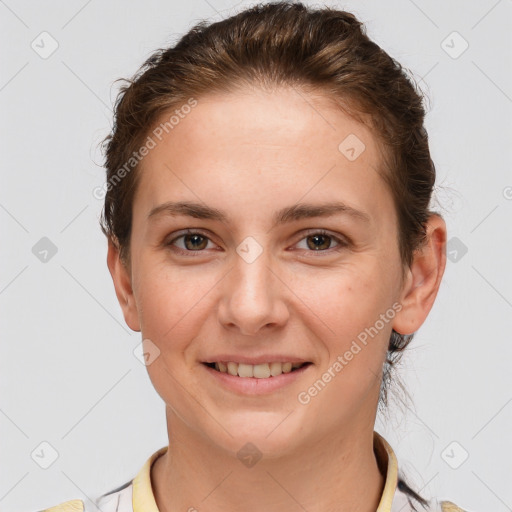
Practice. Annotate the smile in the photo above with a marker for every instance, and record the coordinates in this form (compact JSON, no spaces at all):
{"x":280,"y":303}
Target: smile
{"x":258,"y":371}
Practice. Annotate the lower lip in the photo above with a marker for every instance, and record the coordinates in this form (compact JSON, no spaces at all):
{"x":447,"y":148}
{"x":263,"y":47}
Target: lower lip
{"x":254,"y":386}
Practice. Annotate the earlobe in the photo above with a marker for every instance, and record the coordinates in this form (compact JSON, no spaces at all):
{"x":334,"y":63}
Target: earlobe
{"x":121,"y":277}
{"x":423,"y":278}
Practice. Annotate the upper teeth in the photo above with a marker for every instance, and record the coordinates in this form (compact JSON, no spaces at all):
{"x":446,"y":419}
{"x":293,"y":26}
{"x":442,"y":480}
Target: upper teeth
{"x":260,"y":371}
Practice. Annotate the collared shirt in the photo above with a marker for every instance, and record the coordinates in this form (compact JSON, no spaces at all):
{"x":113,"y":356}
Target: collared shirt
{"x":137,"y":494}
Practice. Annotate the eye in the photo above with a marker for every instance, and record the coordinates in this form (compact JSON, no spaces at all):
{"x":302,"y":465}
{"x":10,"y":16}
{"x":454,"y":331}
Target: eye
{"x":194,"y":241}
{"x":191,"y":241}
{"x":320,"y":241}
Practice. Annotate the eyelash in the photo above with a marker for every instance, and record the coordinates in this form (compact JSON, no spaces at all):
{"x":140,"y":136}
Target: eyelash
{"x":342,"y":244}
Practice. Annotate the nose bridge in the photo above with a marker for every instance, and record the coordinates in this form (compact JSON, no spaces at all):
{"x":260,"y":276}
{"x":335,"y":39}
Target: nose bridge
{"x":252,"y":298}
{"x":252,"y":277}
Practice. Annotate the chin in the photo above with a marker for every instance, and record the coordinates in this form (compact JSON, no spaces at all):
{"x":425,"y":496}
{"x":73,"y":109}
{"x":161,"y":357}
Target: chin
{"x":265,"y":433}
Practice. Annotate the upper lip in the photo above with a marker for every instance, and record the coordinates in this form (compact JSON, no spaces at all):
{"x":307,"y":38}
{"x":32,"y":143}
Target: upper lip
{"x":264,"y":358}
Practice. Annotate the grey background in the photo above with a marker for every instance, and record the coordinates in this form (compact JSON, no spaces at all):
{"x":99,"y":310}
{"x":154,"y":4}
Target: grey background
{"x":68,"y":373}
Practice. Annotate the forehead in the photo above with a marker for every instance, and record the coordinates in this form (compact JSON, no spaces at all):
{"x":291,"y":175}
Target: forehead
{"x":284,"y":117}
{"x":261,"y":147}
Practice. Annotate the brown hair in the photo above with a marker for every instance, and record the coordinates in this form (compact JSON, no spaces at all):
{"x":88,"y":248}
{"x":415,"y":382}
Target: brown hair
{"x":281,"y":44}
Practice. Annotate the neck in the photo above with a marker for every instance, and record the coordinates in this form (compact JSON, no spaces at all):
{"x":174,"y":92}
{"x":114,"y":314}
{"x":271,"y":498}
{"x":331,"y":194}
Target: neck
{"x":334,"y":474}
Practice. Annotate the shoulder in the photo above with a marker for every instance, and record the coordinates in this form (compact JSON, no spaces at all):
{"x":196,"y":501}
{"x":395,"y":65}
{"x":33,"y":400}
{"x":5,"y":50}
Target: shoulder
{"x":448,"y":506}
{"x":397,"y":495}
{"x":67,"y":506}
{"x":137,"y":491}
{"x":407,"y":500}
{"x":117,"y":500}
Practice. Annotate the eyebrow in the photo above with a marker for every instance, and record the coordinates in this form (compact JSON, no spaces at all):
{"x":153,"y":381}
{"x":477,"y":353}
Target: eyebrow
{"x":283,"y":216}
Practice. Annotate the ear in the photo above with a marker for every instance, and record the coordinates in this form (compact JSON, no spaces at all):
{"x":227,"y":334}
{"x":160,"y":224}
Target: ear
{"x":121,"y":276}
{"x":423,"y":279}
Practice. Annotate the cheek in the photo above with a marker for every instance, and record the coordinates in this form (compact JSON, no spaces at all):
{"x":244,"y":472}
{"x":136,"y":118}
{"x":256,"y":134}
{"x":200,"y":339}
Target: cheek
{"x":348,"y":298}
{"x":171,"y":303}
{"x":173,"y":307}
{"x":357,"y":340}
{"x":349,"y":312}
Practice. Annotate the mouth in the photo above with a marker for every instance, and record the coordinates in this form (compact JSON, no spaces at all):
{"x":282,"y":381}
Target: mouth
{"x":258,"y":371}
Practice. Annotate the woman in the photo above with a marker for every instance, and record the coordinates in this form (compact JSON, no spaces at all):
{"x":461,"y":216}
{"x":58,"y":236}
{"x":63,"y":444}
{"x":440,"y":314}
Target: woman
{"x":269,"y":234}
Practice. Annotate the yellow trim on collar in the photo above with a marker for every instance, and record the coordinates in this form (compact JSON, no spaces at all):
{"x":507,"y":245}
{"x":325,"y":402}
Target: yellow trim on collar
{"x":384,"y":451}
{"x":448,"y":506}
{"x":68,"y":506}
{"x":143,"y":499}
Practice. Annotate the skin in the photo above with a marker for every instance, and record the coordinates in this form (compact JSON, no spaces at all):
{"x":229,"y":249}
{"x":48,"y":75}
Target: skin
{"x":251,"y":153}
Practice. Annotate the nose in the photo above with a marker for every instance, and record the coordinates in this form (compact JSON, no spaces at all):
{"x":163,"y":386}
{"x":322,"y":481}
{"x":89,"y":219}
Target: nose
{"x":254,"y":297}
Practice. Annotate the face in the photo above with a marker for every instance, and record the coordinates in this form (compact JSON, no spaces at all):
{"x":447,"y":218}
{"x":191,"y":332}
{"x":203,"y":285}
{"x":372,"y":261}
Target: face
{"x":263,"y":268}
